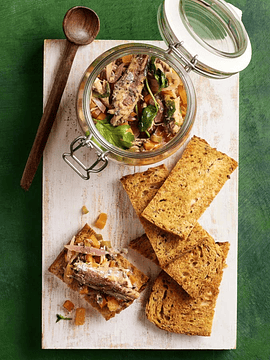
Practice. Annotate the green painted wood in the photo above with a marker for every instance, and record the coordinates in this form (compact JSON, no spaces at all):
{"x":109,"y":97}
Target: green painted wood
{"x":24,"y":25}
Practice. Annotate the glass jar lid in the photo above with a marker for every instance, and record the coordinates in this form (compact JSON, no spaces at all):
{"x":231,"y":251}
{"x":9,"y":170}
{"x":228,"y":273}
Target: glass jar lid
{"x":207,"y":35}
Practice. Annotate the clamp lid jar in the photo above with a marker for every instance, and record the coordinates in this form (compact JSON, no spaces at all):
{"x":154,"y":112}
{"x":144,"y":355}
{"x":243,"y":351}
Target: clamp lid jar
{"x":205,"y":36}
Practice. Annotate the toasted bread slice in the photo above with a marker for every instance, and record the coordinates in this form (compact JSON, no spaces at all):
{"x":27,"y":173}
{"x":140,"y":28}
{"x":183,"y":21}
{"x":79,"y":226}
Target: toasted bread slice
{"x":195,"y":269}
{"x":143,"y":246}
{"x":190,"y":188}
{"x":109,"y":282}
{"x":141,"y":188}
{"x":171,"y":308}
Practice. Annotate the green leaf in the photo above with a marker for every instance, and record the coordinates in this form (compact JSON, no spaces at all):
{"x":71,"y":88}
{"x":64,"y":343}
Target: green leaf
{"x":170,"y":108}
{"x":158,"y":74}
{"x":61,"y":317}
{"x":119,"y":136}
{"x":148,"y":115}
{"x":161,"y":79}
{"x":152,"y":66}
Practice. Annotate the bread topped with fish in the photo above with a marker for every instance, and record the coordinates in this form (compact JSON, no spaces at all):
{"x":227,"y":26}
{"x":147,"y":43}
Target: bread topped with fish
{"x":105,"y":278}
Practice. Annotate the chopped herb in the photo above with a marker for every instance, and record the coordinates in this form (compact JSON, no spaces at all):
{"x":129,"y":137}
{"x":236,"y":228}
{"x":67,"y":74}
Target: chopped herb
{"x":120,"y":136}
{"x":61,"y":317}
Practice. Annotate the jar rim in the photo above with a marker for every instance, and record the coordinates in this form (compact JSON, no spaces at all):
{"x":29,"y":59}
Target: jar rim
{"x":137,"y":48}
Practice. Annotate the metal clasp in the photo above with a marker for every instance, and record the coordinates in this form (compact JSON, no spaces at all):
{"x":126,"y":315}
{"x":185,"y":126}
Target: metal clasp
{"x":96,"y":167}
{"x":188,"y":64}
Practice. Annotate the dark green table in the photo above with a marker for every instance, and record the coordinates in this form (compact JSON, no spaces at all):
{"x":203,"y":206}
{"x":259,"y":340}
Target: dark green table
{"x":24,"y":25}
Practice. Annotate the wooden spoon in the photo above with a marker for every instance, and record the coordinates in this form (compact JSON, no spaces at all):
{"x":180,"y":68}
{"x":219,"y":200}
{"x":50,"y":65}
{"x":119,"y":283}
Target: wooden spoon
{"x":81,"y":26}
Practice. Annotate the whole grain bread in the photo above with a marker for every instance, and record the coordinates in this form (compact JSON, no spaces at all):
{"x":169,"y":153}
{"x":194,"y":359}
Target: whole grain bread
{"x":141,"y":188}
{"x":143,"y":246}
{"x":195,"y":269}
{"x":170,"y":307}
{"x":190,"y":188}
{"x":92,"y":296}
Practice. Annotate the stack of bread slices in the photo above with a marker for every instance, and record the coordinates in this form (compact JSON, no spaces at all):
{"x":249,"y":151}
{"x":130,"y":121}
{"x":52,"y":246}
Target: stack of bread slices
{"x":169,"y":205}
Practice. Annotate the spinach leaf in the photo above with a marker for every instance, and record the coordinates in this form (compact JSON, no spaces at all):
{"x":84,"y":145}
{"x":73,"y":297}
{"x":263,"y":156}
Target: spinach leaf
{"x":152,"y":66}
{"x":170,"y":108}
{"x":120,"y":136}
{"x":161,"y":79}
{"x":158,"y":75}
{"x":148,"y":115}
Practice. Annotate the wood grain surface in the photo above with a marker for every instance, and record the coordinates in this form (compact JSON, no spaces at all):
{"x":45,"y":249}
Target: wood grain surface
{"x":64,"y":194}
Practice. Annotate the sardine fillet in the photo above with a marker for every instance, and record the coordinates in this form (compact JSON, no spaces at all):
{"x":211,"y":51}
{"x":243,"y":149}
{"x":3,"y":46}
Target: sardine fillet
{"x":128,"y":89}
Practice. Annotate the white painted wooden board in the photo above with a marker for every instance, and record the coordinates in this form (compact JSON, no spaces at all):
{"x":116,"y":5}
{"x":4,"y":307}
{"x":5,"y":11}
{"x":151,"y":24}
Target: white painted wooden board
{"x":64,"y":194}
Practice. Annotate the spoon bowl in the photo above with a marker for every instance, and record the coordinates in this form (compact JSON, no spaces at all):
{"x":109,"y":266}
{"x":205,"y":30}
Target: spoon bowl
{"x":81,"y":25}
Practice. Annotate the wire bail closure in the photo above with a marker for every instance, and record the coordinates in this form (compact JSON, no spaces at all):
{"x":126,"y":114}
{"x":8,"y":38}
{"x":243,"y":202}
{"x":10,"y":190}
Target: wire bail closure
{"x":96,"y":167}
{"x":188,"y":64}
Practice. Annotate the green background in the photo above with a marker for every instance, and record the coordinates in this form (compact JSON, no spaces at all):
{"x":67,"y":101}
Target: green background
{"x":24,"y":24}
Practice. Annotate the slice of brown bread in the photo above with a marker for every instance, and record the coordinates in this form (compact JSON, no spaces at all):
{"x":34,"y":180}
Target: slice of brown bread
{"x":190,"y":188}
{"x":141,"y":188}
{"x":171,"y":308}
{"x":195,"y":269}
{"x":143,"y":246}
{"x":107,"y":306}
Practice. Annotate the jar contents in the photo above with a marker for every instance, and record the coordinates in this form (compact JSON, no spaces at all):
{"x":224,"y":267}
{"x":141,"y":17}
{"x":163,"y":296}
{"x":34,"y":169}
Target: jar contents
{"x":138,"y":103}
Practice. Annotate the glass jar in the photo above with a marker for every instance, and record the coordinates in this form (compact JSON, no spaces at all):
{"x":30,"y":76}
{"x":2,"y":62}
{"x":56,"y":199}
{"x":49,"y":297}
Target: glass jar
{"x":204,"y":36}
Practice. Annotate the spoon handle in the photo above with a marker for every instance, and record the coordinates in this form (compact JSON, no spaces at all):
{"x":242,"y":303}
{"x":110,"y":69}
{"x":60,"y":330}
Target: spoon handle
{"x":49,"y":115}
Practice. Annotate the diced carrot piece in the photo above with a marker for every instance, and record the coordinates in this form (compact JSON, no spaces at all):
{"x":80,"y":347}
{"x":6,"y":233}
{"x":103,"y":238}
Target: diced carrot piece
{"x":168,"y":92}
{"x":133,"y":114}
{"x":112,"y":263}
{"x":183,"y":95}
{"x":112,"y":303}
{"x":68,"y":305}
{"x":126,"y":59}
{"x":149,"y":145}
{"x":89,"y":258}
{"x":85,"y":210}
{"x":84,"y":290}
{"x":94,"y":241}
{"x":80,"y":316}
{"x":101,"y":116}
{"x":95,"y":114}
{"x":147,"y":98}
{"x":101,"y":221}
